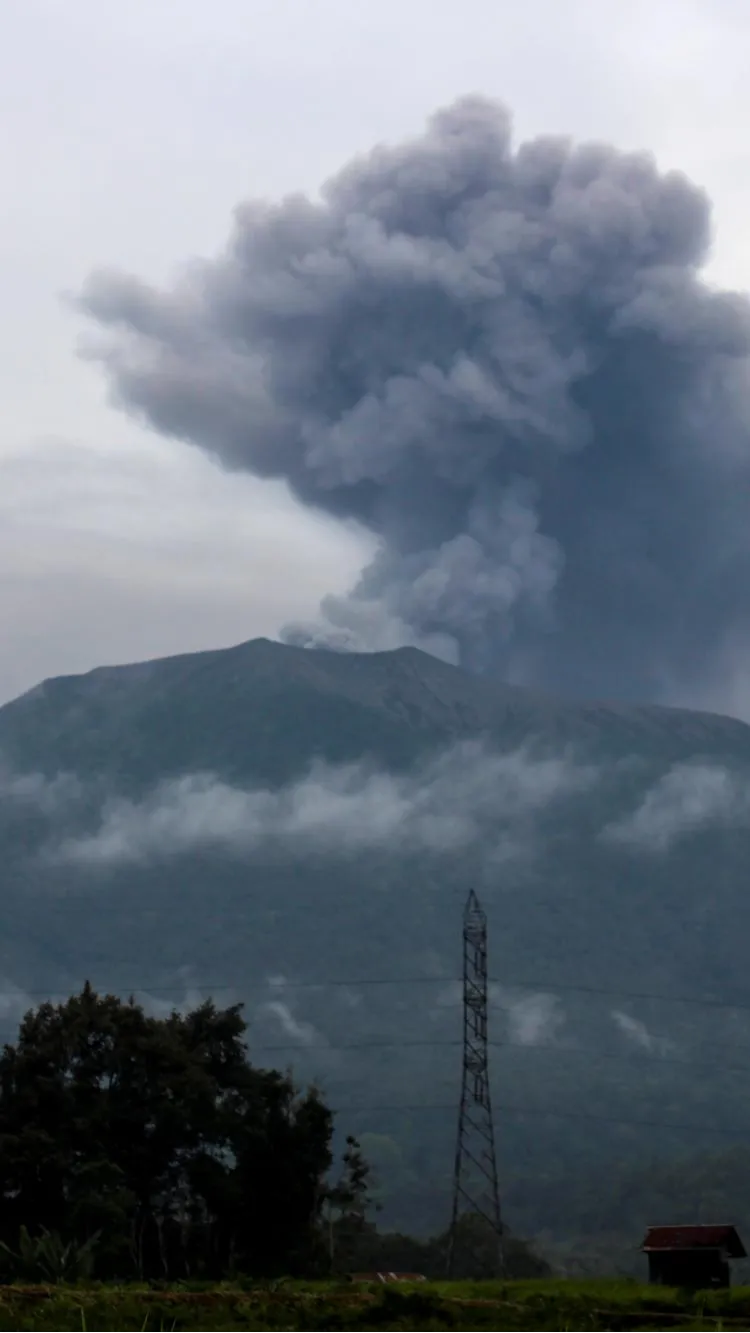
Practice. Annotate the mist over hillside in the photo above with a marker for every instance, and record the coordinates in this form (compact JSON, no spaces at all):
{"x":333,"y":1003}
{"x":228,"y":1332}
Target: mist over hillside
{"x":298,"y":830}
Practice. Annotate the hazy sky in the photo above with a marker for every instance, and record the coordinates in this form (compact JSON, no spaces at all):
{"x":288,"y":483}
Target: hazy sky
{"x":128,"y":134}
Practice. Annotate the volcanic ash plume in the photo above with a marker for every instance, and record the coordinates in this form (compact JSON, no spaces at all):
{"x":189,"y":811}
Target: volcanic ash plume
{"x":505,"y":365}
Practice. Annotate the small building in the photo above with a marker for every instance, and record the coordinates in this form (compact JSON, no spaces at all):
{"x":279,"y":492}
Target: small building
{"x":696,"y":1257}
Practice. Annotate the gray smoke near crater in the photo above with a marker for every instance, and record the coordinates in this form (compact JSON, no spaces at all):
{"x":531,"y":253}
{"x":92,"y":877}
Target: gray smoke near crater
{"x":505,"y":364}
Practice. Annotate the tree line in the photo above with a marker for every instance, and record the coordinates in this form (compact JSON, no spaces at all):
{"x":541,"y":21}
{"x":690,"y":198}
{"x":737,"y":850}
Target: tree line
{"x":136,"y":1147}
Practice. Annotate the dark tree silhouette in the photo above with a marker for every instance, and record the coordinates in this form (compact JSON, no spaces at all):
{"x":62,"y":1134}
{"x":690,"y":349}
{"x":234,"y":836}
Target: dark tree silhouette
{"x":160,"y":1136}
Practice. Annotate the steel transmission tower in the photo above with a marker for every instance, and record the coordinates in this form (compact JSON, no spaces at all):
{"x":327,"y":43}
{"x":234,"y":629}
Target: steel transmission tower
{"x":475,"y":1182}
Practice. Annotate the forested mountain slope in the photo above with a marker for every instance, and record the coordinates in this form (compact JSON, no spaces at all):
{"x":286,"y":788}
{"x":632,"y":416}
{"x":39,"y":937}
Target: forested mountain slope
{"x":299,"y":829}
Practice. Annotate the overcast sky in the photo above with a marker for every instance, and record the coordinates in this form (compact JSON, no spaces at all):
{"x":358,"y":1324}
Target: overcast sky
{"x":128,"y":134}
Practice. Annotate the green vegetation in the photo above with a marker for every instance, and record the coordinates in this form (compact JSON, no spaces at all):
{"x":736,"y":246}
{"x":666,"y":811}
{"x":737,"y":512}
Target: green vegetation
{"x":137,"y":1148}
{"x":548,"y":1305}
{"x":591,"y":1229}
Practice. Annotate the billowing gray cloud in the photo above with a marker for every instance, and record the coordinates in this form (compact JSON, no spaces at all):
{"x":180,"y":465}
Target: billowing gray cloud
{"x":690,"y":797}
{"x":466,"y":794}
{"x":504,"y":363}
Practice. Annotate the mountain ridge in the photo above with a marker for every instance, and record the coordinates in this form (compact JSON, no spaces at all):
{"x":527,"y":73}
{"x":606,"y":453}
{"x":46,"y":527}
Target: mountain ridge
{"x":248,"y":687}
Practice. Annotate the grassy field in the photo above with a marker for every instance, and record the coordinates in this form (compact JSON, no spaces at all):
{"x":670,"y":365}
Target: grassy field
{"x":490,"y":1305}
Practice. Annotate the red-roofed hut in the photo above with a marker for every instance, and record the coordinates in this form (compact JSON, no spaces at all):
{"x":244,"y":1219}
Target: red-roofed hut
{"x":694,"y":1257}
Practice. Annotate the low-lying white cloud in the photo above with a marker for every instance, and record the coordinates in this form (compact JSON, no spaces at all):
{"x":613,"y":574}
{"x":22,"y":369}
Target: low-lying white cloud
{"x":529,"y":1019}
{"x":639,"y":1035}
{"x":532,"y":1020}
{"x":276,"y":1016}
{"x":33,"y":789}
{"x":688,"y":798}
{"x":445,"y":806}
{"x":293,"y":1028}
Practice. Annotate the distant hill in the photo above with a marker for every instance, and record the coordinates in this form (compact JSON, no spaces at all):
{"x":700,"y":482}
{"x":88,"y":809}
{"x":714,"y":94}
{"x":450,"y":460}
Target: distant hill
{"x":299,"y":830}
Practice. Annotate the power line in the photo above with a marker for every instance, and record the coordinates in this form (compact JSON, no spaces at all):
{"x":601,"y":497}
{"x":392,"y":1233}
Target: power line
{"x":295,"y":1047}
{"x":355,"y":983}
{"x":702,"y":1001}
{"x":551,"y":1113}
{"x":511,"y":1109}
{"x":185,"y":987}
{"x":300,"y":1048}
{"x":453,"y":1042}
{"x":544,"y":1112}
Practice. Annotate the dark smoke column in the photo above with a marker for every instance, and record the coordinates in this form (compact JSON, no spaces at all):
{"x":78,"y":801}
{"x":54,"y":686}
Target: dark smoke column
{"x":505,"y":364}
